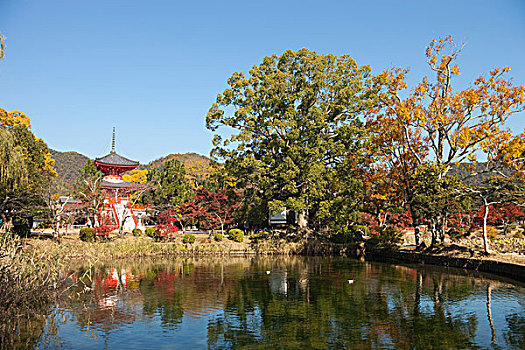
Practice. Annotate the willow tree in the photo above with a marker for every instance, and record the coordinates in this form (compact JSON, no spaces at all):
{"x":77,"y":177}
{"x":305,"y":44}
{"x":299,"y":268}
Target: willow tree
{"x":283,"y":125}
{"x":25,"y":169}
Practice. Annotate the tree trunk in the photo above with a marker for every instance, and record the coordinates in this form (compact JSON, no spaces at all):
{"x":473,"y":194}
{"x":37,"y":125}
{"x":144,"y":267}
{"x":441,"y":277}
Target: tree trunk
{"x":56,"y":230}
{"x":442,"y":229}
{"x":433,"y":228}
{"x":489,"y":313}
{"x":415,"y":225}
{"x":485,"y":237}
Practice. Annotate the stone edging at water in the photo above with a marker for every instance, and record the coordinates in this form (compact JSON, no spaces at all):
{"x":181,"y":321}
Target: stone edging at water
{"x":514,"y":271}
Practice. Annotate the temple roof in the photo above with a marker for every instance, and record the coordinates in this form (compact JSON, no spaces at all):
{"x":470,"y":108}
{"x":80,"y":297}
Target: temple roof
{"x":116,"y":159}
{"x":123,"y":184}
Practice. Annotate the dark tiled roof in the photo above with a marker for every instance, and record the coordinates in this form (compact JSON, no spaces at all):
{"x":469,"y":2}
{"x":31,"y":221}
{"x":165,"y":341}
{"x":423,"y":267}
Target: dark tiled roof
{"x":124,"y":184}
{"x":116,"y":159}
{"x":69,"y":200}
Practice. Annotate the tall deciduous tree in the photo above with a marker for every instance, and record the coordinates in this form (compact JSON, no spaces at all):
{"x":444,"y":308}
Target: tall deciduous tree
{"x":285,"y":122}
{"x":434,"y":123}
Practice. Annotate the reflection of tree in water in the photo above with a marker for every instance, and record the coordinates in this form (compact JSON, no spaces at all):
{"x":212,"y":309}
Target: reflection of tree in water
{"x":301,"y":303}
{"x":376,"y":313}
{"x":162,"y":296}
{"x":515,"y":335}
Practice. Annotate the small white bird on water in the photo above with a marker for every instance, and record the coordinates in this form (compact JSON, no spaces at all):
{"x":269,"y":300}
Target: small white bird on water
{"x":268,"y":272}
{"x":350,"y":281}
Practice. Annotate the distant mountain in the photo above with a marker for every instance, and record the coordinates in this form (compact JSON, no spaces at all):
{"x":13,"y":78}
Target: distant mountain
{"x":474,"y":175}
{"x":67,"y":165}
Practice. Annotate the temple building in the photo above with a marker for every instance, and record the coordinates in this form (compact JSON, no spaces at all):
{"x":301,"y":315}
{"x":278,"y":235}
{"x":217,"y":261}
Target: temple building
{"x":120,"y":208}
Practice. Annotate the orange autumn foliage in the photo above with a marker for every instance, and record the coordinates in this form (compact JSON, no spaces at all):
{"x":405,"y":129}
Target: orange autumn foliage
{"x":434,"y":123}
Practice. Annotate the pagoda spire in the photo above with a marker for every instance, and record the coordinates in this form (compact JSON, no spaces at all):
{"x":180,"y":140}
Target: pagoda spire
{"x":113,"y":141}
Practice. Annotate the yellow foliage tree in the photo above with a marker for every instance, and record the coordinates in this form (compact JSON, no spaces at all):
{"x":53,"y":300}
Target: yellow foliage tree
{"x":436,"y":123}
{"x":136,"y":175}
{"x":12,"y":118}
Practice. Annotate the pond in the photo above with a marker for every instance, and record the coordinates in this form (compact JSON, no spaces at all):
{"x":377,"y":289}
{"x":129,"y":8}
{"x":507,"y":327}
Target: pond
{"x":283,"y":303}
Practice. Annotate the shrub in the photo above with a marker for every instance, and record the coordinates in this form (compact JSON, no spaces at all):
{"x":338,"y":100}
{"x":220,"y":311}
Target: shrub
{"x":22,"y":226}
{"x":103,"y":231}
{"x":260,"y":235}
{"x":151,"y":232}
{"x":342,"y":234}
{"x":236,"y":235}
{"x":87,"y":234}
{"x":137,"y":232}
{"x":491,"y":232}
{"x":218,"y":237}
{"x":188,"y":238}
{"x":346,"y":234}
{"x":387,"y":236}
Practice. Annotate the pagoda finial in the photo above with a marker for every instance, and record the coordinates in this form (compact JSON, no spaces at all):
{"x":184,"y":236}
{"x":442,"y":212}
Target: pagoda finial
{"x":113,"y":141}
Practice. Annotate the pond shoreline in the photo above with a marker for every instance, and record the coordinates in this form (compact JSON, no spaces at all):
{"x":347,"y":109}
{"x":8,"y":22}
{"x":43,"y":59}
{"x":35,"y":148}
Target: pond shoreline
{"x":71,"y":248}
{"x":496,"y":267}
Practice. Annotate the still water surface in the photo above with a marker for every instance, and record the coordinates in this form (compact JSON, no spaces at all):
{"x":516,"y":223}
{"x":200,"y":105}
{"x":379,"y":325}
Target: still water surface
{"x":284,"y":303}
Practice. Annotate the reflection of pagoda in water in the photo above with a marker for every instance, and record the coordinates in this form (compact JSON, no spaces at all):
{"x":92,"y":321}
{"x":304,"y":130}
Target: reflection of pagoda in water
{"x":120,"y":195}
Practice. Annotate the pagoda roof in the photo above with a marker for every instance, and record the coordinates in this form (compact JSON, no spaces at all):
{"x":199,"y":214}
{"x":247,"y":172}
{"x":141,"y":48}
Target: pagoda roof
{"x":123,"y":184}
{"x":114,"y":158}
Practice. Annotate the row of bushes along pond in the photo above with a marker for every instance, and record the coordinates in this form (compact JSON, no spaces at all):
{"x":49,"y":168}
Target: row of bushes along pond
{"x":88,"y":234}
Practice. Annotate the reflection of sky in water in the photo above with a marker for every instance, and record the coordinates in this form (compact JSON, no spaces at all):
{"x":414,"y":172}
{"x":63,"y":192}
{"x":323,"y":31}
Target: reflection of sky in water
{"x":191,"y":334}
{"x":195,"y":307}
{"x":504,"y":301}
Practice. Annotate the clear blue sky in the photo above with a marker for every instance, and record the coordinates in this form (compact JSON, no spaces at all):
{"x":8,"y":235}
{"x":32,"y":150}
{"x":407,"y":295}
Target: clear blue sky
{"x":153,"y":68}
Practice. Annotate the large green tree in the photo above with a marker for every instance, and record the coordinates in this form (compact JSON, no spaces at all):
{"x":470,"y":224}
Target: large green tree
{"x":285,"y":127}
{"x":167,"y":186}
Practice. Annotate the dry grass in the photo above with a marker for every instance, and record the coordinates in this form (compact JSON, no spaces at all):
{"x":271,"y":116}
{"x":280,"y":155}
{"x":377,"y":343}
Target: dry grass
{"x":27,"y":287}
{"x":71,"y":248}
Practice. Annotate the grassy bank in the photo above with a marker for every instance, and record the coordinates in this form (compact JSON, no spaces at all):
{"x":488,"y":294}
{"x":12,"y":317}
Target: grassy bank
{"x":117,"y":247}
{"x":28,"y":283}
{"x":72,"y":248}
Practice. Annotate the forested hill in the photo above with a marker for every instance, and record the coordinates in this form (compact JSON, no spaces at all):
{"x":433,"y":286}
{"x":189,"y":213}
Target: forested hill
{"x":197,"y":166}
{"x":67,"y":165}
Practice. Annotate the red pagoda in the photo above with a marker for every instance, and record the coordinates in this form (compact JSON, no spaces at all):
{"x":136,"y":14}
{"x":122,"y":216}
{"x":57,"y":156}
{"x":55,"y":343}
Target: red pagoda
{"x":119,"y":202}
